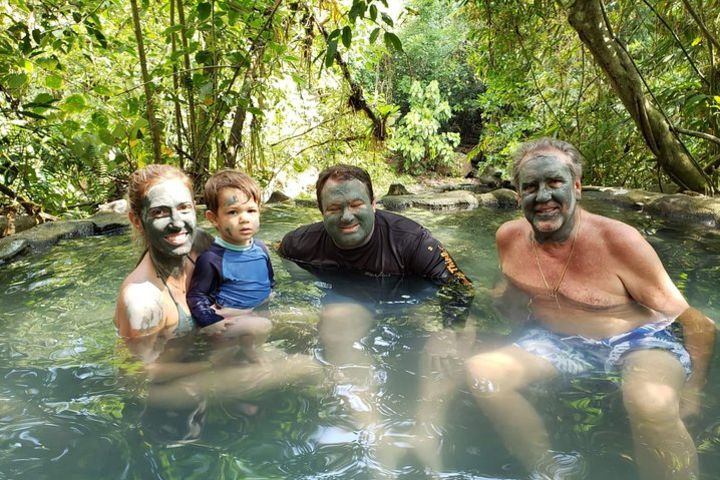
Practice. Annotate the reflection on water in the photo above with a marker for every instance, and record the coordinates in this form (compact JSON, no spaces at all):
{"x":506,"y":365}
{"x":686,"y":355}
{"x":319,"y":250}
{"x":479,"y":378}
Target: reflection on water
{"x":74,"y":402}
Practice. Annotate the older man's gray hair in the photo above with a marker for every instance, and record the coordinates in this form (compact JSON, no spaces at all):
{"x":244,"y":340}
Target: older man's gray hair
{"x":525,"y":152}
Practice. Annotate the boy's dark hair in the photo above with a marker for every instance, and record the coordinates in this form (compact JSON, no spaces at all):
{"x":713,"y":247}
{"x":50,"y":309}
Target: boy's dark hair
{"x":342,"y":172}
{"x":229,"y":179}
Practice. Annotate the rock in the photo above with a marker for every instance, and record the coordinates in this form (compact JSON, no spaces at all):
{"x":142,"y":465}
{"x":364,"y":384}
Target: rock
{"x":10,"y":247}
{"x":309,"y":203}
{"x":22,"y":223}
{"x":397,"y":189}
{"x":452,"y":200}
{"x":633,"y":199}
{"x":490,"y":177}
{"x":506,"y":198}
{"x":277,"y":197}
{"x":501,"y":198}
{"x":117,"y":206}
{"x":107,"y":223}
{"x":692,"y":209}
{"x":45,"y":235}
{"x":397,"y":203}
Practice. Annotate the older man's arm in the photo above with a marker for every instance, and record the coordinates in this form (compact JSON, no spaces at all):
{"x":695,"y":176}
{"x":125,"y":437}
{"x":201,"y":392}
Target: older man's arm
{"x":699,"y":339}
{"x":648,"y":282}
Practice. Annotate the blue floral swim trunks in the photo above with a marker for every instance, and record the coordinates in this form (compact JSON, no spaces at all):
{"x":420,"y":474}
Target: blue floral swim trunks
{"x":576,"y":355}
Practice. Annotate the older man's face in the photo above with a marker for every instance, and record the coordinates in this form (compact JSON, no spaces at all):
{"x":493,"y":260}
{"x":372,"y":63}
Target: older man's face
{"x":348,"y":212}
{"x":549,"y":194}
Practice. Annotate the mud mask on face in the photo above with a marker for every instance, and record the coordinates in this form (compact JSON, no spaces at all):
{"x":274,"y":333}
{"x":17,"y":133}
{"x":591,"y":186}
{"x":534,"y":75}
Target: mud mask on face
{"x":348,"y":213}
{"x":548,"y":197}
{"x":168,"y":218}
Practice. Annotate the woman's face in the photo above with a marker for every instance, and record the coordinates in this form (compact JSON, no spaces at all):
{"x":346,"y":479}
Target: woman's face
{"x":168,"y":218}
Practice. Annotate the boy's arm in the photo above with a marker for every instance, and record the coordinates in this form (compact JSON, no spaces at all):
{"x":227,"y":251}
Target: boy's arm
{"x":271,"y":272}
{"x":205,"y":282}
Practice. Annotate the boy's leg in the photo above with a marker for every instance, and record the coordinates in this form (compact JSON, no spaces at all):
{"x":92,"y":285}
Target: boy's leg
{"x":652,"y":381}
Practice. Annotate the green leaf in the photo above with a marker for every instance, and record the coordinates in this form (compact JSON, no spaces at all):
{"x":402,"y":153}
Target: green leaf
{"x":107,"y":137}
{"x":48,"y":63}
{"x":204,"y":56}
{"x":41,"y":100}
{"x":16,"y":80}
{"x":102,"y":90}
{"x":54,"y":82}
{"x":373,"y":12}
{"x":392,"y":42}
{"x":330,"y":55}
{"x":374,"y":34}
{"x":333,"y":35}
{"x":100,"y":119}
{"x":386,"y":18}
{"x":357,"y":10}
{"x":346,"y":36}
{"x":30,"y":114}
{"x":73,"y":104}
{"x":203,"y":11}
{"x":173,"y":29}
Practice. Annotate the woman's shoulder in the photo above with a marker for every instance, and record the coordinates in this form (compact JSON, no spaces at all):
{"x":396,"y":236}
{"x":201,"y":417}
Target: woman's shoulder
{"x":140,"y":305}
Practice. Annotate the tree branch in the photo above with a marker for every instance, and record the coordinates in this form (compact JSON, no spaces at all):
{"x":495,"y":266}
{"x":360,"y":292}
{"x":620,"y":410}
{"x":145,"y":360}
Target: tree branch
{"x":703,"y":135}
{"x":677,"y":40}
{"x":711,"y":38}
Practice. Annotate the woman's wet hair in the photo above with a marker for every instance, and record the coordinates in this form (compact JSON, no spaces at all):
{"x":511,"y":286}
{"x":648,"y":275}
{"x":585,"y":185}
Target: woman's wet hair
{"x":143,"y":179}
{"x":526,"y":150}
{"x":342,"y":172}
{"x":229,"y":179}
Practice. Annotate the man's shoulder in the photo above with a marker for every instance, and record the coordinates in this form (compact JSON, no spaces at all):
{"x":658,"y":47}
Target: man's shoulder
{"x":611,"y":239}
{"x":511,"y":230}
{"x":396,"y":225}
{"x":611,"y":231}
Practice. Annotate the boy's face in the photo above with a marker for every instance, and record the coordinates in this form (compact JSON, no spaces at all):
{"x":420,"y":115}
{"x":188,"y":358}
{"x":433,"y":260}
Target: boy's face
{"x":238,"y":217}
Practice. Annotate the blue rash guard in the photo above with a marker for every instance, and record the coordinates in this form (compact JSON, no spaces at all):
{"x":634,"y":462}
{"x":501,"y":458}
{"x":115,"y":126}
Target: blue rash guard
{"x":227,"y":275}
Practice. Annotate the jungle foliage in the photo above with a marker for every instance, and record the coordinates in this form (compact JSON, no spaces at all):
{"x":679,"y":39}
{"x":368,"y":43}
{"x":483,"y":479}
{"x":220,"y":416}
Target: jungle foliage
{"x":92,"y":89}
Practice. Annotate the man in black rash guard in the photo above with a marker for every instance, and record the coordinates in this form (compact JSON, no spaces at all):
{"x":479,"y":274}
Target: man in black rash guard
{"x":394,"y":259}
{"x":355,"y":237}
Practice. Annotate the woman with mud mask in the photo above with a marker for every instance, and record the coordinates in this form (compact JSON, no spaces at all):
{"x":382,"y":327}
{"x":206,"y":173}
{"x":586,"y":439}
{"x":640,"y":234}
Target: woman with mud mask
{"x":152,"y":300}
{"x":152,"y":311}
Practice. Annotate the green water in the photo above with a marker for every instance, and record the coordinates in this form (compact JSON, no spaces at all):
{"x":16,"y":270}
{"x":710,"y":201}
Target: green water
{"x":72,"y":401}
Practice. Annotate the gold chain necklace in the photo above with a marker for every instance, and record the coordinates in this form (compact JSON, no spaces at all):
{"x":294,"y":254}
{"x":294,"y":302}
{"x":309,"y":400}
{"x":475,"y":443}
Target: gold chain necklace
{"x":554,"y":291}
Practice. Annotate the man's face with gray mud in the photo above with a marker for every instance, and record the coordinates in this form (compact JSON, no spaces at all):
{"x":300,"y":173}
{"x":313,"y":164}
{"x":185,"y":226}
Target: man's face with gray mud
{"x":549,"y":194}
{"x":348,"y":212}
{"x":168,"y":218}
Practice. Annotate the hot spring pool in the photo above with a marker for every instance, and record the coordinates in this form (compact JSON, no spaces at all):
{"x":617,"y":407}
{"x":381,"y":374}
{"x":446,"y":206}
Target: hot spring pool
{"x":73,"y":401}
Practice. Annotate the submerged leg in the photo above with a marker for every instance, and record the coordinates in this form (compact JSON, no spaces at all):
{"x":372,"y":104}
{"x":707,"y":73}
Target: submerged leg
{"x":652,"y":380}
{"x":233,"y":382}
{"x":496,"y":379}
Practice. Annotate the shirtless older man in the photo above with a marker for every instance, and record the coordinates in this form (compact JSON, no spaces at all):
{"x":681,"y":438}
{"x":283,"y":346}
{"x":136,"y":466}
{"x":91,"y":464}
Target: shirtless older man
{"x":599,"y":299}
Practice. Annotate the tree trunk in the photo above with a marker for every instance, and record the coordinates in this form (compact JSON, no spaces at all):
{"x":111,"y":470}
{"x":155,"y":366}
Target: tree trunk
{"x":147,"y":84}
{"x":588,"y":19}
{"x":187,"y":81}
{"x":176,"y":90}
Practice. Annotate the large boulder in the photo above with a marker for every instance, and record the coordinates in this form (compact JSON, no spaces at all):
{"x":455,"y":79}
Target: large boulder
{"x":452,"y":200}
{"x":42,"y":237}
{"x":397,"y":189}
{"x":277,"y":197}
{"x":500,"y":198}
{"x":686,"y":208}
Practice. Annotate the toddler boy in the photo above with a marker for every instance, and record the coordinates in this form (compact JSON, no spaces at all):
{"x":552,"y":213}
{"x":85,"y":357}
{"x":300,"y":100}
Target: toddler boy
{"x":234,"y":276}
